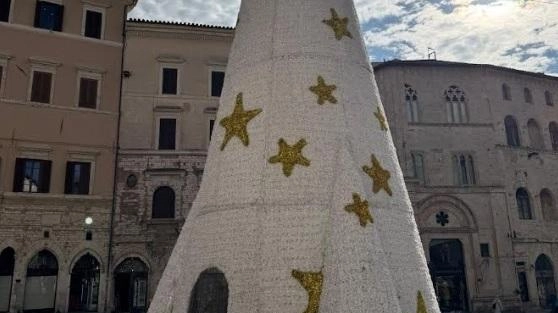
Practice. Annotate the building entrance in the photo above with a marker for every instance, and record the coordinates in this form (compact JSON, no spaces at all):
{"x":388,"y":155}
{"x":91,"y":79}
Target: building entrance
{"x":544,"y":271}
{"x":447,"y":268}
{"x":130,"y":286}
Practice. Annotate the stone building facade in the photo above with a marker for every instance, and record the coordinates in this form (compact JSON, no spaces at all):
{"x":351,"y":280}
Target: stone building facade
{"x":479,"y":145}
{"x":174,"y":75}
{"x":59,"y":107}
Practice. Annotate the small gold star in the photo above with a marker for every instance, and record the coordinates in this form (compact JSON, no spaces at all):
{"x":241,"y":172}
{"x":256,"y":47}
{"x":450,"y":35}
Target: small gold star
{"x":323,"y":91}
{"x":339,"y":25}
{"x":290,"y":156}
{"x":380,"y":116}
{"x":313,"y":283}
{"x":236,"y":124}
{"x":360,"y":208}
{"x":379,"y":176}
{"x":421,"y":305}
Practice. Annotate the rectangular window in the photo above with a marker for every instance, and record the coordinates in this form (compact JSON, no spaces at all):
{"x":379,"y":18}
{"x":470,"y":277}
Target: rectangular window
{"x":418,"y":166}
{"x":32,"y":176}
{"x":464,"y":170}
{"x":49,"y":15}
{"x":167,"y":134}
{"x":170,"y":81}
{"x":93,"y":27}
{"x":41,"y":87}
{"x":78,"y":175}
{"x":211,"y":124}
{"x":88,"y":89}
{"x":485,"y":250}
{"x":5,"y":6}
{"x":217,"y":81}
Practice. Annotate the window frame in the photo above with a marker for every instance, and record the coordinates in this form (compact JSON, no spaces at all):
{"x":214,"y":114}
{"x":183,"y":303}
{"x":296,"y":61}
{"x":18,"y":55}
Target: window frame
{"x":520,"y":211}
{"x":422,"y":179}
{"x":89,"y":75}
{"x":472,"y":174}
{"x":459,"y":107}
{"x":548,"y":98}
{"x":162,"y":67}
{"x":58,"y":2}
{"x":10,"y":13}
{"x":210,"y":130}
{"x":45,"y":69}
{"x":412,"y":105}
{"x":33,"y":159}
{"x":527,"y":95}
{"x":91,"y":174}
{"x":175,"y":207}
{"x":210,"y":80}
{"x":177,"y":136}
{"x":506,"y":92}
{"x":92,"y":8}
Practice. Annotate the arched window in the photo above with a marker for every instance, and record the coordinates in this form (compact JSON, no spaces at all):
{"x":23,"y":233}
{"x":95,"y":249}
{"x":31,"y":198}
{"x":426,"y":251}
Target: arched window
{"x":506,"y":92}
{"x":464,"y":169}
{"x":130,"y":289}
{"x":528,"y":95}
{"x":84,"y":285}
{"x":7,"y":262}
{"x":40,"y":284}
{"x":547,"y":205}
{"x":418,"y":166}
{"x":523,"y":204}
{"x":544,"y":272}
{"x":163,"y":203}
{"x":548,"y":97}
{"x":512,"y":133}
{"x":210,"y":293}
{"x":456,"y":105}
{"x":411,"y":102}
{"x":535,"y":134}
{"x":553,"y":129}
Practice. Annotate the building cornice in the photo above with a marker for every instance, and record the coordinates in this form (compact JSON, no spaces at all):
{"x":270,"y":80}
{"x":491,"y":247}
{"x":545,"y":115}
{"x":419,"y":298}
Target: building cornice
{"x":140,"y":28}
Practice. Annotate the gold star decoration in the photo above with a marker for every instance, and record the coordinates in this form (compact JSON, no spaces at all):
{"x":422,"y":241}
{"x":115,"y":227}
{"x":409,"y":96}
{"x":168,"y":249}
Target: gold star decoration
{"x":339,"y":25}
{"x":360,"y":208}
{"x":236,"y":124}
{"x":380,"y":116}
{"x":290,"y":156}
{"x":421,"y":305}
{"x":380,"y":176}
{"x":324,"y":92}
{"x":313,"y":283}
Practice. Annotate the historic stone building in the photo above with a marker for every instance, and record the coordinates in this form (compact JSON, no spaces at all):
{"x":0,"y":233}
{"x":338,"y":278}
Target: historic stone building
{"x":174,"y":75}
{"x":479,"y":144}
{"x":60,"y":73}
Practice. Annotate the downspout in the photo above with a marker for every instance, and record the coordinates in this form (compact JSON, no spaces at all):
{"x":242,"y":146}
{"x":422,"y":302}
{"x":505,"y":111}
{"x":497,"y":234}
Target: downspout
{"x":114,"y":183}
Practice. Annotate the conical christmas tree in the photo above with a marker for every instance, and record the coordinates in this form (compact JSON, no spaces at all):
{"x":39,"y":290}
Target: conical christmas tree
{"x":303,"y":206}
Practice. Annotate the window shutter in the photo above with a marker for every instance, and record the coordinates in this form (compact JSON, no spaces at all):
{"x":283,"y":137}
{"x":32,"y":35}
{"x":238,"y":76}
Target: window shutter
{"x":217,"y":81}
{"x":45,"y":176}
{"x":167,"y":134}
{"x":84,"y":178}
{"x":93,"y":24}
{"x":69,"y":176}
{"x":38,"y":13}
{"x":18,"y":175}
{"x":58,"y":23}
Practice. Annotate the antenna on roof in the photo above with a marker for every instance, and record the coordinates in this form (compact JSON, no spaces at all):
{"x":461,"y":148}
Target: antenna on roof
{"x":431,"y":54}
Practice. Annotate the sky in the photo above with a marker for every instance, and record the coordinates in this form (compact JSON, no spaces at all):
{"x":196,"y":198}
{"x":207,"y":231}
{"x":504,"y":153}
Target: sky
{"x":521,"y":34}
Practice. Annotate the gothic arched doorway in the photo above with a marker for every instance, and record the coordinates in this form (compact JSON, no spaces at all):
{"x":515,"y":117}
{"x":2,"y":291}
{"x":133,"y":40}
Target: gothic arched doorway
{"x":40,"y":284}
{"x":84,"y":285}
{"x":7,"y":261}
{"x":447,"y":268}
{"x":130,"y":286}
{"x":544,"y":271}
{"x":210,"y":294}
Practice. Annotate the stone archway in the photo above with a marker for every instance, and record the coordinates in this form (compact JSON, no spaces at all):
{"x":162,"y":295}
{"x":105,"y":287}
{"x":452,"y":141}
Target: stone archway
{"x":84,"y":285}
{"x":130,"y":286}
{"x":544,"y":272}
{"x":210,"y":293}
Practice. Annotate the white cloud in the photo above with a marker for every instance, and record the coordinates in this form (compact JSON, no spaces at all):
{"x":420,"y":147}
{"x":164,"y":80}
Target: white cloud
{"x":478,"y":31}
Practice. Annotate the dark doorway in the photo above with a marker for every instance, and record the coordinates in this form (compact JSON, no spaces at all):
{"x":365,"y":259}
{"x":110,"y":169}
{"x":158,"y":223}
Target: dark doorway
{"x":40,"y":283}
{"x":544,"y":271}
{"x":7,"y":261}
{"x":130,"y":286}
{"x":447,"y":268}
{"x":84,"y":285}
{"x":210,"y":294}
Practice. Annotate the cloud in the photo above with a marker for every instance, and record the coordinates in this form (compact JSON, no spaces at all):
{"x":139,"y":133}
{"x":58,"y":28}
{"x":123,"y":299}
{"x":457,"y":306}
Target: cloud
{"x":521,"y":34}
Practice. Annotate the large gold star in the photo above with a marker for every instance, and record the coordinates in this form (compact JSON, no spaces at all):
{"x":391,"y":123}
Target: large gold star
{"x":236,"y":124}
{"x":380,"y":116}
{"x":323,"y":91}
{"x":339,"y":25}
{"x":421,"y":305}
{"x":360,"y":208}
{"x":380,"y":176}
{"x":290,"y":156}
{"x":313,"y":283}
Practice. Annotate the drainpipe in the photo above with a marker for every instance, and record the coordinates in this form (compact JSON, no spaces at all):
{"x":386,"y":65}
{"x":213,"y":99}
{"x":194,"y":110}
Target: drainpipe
{"x":114,"y":183}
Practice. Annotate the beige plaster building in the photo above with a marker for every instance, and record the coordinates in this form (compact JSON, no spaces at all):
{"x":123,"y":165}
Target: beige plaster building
{"x":174,"y":75}
{"x":60,"y":73}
